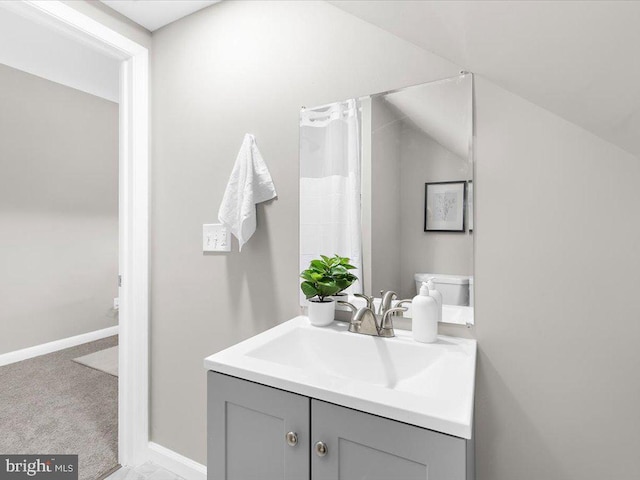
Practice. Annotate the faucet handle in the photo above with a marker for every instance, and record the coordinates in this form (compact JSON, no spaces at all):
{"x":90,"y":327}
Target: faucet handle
{"x":402,"y":302}
{"x":399,"y":304}
{"x":354,"y":311}
{"x":391,"y":312}
{"x":349,"y":305}
{"x":367,"y":298}
{"x":386,"y":328}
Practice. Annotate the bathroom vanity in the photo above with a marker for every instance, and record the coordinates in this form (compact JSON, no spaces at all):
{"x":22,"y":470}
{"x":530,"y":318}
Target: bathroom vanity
{"x":302,"y":402}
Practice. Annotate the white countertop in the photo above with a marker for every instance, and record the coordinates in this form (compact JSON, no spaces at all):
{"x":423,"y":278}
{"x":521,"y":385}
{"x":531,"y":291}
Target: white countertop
{"x":428,"y":385}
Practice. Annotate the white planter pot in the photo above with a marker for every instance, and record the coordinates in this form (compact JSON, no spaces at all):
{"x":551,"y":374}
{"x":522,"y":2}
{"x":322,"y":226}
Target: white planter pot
{"x":322,"y":314}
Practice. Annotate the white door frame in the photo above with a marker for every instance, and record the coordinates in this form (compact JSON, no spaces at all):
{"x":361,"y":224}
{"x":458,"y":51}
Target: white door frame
{"x":133,"y":381}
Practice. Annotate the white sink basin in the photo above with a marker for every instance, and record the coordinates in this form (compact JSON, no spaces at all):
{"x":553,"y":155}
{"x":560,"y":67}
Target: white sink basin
{"x":429,"y":385}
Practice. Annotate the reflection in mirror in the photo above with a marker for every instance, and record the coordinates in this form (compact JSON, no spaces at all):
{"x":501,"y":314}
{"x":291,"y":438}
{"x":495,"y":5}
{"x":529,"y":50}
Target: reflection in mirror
{"x":407,"y":154}
{"x":330,"y":183}
{"x":419,"y":167}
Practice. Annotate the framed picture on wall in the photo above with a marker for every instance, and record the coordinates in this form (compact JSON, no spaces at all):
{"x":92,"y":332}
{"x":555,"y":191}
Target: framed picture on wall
{"x":444,"y":206}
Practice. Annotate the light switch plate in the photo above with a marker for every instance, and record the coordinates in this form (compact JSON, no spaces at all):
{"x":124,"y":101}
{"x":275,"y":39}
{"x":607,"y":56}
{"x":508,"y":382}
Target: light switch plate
{"x":215,"y":238}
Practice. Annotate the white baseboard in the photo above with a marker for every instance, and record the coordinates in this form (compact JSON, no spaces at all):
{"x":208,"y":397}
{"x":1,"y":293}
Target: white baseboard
{"x":176,"y":463}
{"x":26,"y":353}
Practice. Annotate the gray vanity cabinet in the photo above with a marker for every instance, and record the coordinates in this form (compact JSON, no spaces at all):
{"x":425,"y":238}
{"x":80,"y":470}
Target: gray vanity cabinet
{"x":247,"y":431}
{"x":251,"y":428}
{"x":362,"y":446}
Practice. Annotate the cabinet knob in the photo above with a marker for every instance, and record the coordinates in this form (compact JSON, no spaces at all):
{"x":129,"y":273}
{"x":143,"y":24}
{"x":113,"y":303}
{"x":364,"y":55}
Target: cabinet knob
{"x":321,"y":449}
{"x":292,"y":439}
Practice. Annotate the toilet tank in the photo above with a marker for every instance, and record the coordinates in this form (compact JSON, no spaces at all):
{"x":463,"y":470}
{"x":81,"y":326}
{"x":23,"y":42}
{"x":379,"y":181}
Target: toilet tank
{"x":455,"y":289}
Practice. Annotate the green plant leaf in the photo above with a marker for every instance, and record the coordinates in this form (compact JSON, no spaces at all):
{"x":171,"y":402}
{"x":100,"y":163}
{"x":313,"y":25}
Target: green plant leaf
{"x":318,"y":265}
{"x":342,"y":284}
{"x":308,"y":289}
{"x":338,"y":270}
{"x":327,"y":276}
{"x":329,"y":289}
{"x":311,"y":276}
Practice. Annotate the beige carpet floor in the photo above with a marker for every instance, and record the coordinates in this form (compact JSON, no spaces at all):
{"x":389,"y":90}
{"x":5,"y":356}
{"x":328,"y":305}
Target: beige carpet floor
{"x":52,"y":405}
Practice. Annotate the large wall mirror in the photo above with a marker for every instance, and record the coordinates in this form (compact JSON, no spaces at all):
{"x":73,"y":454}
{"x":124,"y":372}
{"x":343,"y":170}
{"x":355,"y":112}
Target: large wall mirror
{"x":387,"y":180}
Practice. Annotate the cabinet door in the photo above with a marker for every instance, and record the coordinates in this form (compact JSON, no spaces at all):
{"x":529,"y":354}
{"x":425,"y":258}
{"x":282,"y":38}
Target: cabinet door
{"x":363,"y":446}
{"x":247,"y":431}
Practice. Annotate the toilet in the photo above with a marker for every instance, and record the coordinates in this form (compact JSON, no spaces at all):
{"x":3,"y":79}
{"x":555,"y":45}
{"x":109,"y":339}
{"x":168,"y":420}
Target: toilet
{"x":455,"y":289}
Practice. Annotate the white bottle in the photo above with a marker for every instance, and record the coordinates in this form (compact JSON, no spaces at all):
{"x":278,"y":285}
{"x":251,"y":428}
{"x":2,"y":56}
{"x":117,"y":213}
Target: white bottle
{"x":424,"y":310}
{"x":437,"y":295}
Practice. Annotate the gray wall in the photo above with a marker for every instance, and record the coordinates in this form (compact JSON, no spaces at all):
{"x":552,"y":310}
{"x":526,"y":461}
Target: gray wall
{"x":58,"y":211}
{"x":403,"y":158}
{"x":557,"y":385}
{"x":422,"y":160}
{"x":385,"y":255}
{"x":557,"y":320}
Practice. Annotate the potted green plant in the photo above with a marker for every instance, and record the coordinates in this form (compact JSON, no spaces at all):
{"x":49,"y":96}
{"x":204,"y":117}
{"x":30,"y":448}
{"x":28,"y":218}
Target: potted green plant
{"x":324,"y":278}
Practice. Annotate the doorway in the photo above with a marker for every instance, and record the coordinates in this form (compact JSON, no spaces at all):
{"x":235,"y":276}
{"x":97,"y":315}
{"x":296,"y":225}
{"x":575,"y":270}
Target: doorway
{"x":133,"y":212}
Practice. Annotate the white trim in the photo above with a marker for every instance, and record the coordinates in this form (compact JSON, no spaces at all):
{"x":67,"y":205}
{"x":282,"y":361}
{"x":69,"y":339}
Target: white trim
{"x":133,"y":427}
{"x":176,"y":463}
{"x":58,"y":16}
{"x":133,"y":380}
{"x":56,"y":345}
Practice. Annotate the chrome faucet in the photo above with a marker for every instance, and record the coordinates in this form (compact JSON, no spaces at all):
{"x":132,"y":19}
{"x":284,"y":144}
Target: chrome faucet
{"x":367,"y":322}
{"x":387,"y":300}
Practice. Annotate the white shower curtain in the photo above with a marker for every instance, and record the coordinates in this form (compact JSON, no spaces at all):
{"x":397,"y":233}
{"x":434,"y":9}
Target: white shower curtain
{"x":330,"y":185}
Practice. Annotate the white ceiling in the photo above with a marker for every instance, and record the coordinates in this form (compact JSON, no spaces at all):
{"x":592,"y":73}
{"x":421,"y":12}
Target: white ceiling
{"x":154,"y":14}
{"x":36,"y":49}
{"x":578,"y":59}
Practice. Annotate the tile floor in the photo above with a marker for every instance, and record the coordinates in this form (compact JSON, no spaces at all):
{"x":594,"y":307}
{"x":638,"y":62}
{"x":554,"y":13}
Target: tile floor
{"x":147,"y":471}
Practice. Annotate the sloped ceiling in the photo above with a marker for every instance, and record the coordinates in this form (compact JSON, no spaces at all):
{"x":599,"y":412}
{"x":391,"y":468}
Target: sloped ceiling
{"x":578,"y":59}
{"x":155,"y":14}
{"x":447,"y":120}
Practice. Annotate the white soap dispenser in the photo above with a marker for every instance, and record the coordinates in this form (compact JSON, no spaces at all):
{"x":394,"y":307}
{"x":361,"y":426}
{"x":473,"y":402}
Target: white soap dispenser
{"x":435,"y":294}
{"x":424,"y":310}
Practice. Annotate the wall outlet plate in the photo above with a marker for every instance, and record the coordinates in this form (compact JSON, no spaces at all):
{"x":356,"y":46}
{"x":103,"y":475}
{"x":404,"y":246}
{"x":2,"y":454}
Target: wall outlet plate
{"x":215,"y":238}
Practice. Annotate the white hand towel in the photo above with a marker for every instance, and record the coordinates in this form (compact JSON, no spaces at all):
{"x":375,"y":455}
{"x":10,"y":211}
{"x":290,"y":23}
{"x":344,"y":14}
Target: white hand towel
{"x":250,"y":183}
